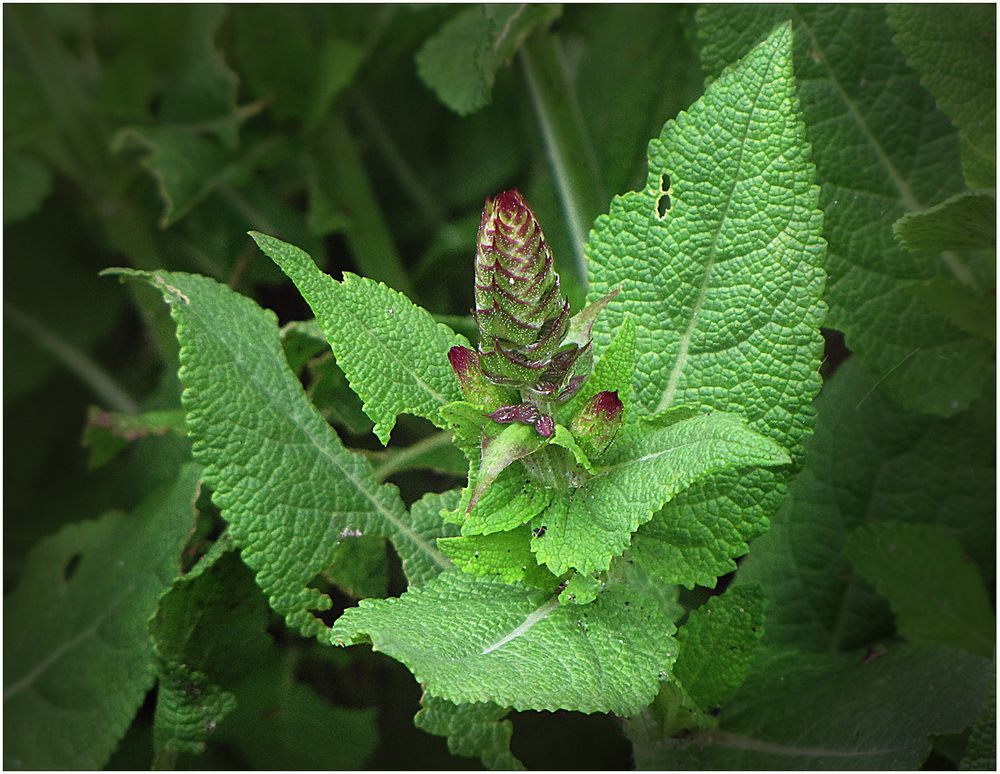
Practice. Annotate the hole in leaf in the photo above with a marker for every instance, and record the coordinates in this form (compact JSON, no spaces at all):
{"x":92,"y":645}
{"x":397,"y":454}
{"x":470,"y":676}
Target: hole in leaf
{"x":71,"y":566}
{"x":663,"y":200}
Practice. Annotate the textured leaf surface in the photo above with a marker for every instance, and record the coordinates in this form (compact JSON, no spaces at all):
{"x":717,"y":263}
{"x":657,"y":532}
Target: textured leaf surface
{"x":209,"y":631}
{"x":649,"y":462}
{"x":716,"y":647}
{"x":981,"y":750}
{"x":882,"y":149}
{"x":866,"y":462}
{"x":426,"y":521}
{"x":460,"y":62}
{"x":937,"y":595}
{"x":78,"y":662}
{"x":394,"y":354}
{"x":955,"y":52}
{"x":359,"y":566}
{"x":967,"y":219}
{"x":473,"y":730}
{"x":725,"y":292}
{"x":504,"y":556}
{"x":718,"y":643}
{"x":836,"y":712}
{"x":603,"y":657}
{"x":284,"y":481}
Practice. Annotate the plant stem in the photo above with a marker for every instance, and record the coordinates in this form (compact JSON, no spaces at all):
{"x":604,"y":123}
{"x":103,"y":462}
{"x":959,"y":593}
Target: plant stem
{"x":408,"y":179}
{"x":399,"y":461}
{"x":368,"y":234}
{"x":571,"y":155}
{"x":75,"y":360}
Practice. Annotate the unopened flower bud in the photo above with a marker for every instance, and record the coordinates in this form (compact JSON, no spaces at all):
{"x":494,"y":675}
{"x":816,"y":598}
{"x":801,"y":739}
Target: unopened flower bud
{"x":521,"y":313}
{"x":595,"y":426}
{"x":475,"y":387}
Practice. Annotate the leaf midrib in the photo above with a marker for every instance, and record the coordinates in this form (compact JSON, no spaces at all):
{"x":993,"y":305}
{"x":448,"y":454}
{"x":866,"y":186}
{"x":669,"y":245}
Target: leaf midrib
{"x":250,"y":375}
{"x":685,"y":342}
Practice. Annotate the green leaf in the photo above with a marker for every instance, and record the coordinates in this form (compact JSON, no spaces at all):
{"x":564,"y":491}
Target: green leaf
{"x":967,"y":219}
{"x":280,"y":722}
{"x":614,"y":372}
{"x":394,"y":354}
{"x":204,"y":88}
{"x":78,"y":661}
{"x":881,"y":149}
{"x":741,"y":244}
{"x":285,"y":483}
{"x":107,"y":433}
{"x":209,"y":631}
{"x":981,"y":750}
{"x":514,"y":442}
{"x":612,"y":85}
{"x":281,"y":62}
{"x":718,"y":644}
{"x":513,"y":499}
{"x":516,"y":648}
{"x":836,"y":712}
{"x":504,"y":556}
{"x":473,"y":730}
{"x":186,"y":166}
{"x":426,"y":521}
{"x":359,"y":567}
{"x":972,"y":312}
{"x":189,"y":706}
{"x":460,"y":62}
{"x":647,"y":464}
{"x":955,"y":50}
{"x":938,"y":596}
{"x":868,"y":461}
{"x":331,"y":393}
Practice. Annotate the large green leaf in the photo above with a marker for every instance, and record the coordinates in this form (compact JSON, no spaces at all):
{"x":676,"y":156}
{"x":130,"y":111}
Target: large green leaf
{"x":284,"y":482}
{"x":881,"y":149}
{"x":836,"y":712}
{"x":517,"y":648}
{"x":967,"y":219}
{"x":955,"y":50}
{"x":461,"y":60}
{"x":648,"y":464}
{"x":394,"y":354}
{"x":473,"y":730}
{"x":77,"y":656}
{"x":209,"y":631}
{"x":280,"y":723}
{"x":717,"y":645}
{"x":937,"y":595}
{"x":869,"y":461}
{"x":720,"y":259}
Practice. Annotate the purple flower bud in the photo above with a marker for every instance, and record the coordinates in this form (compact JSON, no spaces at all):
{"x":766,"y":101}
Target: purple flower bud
{"x":595,"y":426}
{"x":522,"y":316}
{"x":475,"y":387}
{"x":526,"y":414}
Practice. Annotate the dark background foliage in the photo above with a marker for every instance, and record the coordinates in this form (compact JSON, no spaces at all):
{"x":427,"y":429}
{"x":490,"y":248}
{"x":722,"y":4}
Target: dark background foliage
{"x":157,"y":136}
